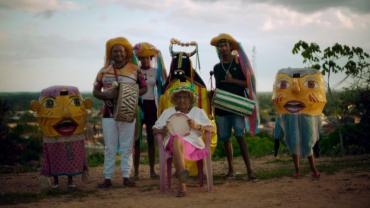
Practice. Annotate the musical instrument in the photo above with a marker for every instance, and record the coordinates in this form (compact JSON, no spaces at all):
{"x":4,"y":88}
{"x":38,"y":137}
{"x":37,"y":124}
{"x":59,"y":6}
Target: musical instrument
{"x":127,"y":101}
{"x":233,"y":103}
{"x":178,"y":123}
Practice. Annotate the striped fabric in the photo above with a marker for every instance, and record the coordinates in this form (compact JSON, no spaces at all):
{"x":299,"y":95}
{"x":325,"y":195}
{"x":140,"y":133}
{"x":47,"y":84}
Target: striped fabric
{"x":233,"y":103}
{"x":299,"y":131}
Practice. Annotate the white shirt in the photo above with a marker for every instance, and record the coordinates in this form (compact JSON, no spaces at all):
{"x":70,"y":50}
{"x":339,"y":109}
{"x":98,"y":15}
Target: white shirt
{"x":150,"y":78}
{"x":195,"y":136}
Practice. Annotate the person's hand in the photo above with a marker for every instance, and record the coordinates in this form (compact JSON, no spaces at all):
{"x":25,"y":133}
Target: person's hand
{"x":194,"y":125}
{"x":228,"y":78}
{"x":162,"y":131}
{"x":111,"y":93}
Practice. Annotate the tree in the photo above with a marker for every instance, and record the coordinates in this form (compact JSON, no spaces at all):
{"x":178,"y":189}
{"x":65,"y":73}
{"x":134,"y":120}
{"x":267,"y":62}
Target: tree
{"x":354,"y":63}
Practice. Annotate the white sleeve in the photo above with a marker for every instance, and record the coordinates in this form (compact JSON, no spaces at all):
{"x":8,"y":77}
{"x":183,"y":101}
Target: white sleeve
{"x":202,"y":118}
{"x":162,"y":120}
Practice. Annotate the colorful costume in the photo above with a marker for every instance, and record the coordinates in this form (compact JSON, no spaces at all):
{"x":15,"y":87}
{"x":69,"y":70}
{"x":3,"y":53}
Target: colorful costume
{"x":193,"y":143}
{"x":240,"y":68}
{"x":62,"y":118}
{"x":116,"y":132}
{"x":181,"y":71}
{"x":154,"y":75}
{"x":299,"y":98}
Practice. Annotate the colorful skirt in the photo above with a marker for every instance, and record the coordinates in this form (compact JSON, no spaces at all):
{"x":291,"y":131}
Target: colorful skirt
{"x":64,"y":158}
{"x":299,"y":131}
{"x":190,"y":151}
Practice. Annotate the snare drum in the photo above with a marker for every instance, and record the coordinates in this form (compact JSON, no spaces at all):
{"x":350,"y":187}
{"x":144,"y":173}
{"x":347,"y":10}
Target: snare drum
{"x":233,"y":103}
{"x":127,"y":101}
{"x":178,"y":123}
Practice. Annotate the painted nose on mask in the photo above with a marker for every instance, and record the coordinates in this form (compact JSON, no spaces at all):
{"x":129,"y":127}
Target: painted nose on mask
{"x":296,"y":89}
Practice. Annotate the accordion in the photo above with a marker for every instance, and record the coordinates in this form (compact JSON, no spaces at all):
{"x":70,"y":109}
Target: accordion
{"x":233,"y":103}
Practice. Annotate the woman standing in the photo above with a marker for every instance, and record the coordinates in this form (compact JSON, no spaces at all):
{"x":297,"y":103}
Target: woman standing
{"x":151,"y":65}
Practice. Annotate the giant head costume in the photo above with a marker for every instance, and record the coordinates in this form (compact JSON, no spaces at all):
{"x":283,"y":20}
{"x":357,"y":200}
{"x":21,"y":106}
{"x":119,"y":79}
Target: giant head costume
{"x":299,"y":91}
{"x":61,"y":111}
{"x":299,"y":98}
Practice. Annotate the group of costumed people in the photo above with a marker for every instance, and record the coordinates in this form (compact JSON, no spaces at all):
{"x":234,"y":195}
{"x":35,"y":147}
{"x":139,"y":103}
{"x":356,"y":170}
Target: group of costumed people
{"x":298,"y":94}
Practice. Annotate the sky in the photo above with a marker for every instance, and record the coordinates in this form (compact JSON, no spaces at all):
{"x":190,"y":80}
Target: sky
{"x":58,"y":42}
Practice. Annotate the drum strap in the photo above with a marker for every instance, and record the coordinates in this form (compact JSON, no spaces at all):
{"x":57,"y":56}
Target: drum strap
{"x":115,"y":74}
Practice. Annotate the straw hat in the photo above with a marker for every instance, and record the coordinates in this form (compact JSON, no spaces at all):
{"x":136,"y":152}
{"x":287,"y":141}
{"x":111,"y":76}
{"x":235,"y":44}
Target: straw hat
{"x":225,"y":37}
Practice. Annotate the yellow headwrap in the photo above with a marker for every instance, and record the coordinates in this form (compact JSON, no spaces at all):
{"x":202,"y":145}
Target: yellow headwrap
{"x":145,"y":49}
{"x":117,"y":41}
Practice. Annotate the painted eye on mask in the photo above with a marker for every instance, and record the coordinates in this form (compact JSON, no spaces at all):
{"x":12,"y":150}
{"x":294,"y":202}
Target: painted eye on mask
{"x":311,"y":84}
{"x":76,"y":101}
{"x":282,"y":84}
{"x":49,"y":103}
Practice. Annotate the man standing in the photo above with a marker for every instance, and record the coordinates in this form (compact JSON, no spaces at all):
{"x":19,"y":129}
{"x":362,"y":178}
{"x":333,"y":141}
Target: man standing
{"x":230,"y":77}
{"x":118,"y":68}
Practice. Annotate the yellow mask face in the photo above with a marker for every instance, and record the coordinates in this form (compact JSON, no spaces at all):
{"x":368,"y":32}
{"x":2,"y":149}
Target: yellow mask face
{"x":61,"y":115}
{"x":299,"y":91}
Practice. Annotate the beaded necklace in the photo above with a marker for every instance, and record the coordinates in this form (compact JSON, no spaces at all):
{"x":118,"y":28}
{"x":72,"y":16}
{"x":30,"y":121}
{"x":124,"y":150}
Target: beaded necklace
{"x":228,"y":68}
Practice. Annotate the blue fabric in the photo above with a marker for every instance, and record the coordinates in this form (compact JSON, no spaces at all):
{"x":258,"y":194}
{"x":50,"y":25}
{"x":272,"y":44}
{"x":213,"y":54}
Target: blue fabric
{"x":226,"y":123}
{"x":299,"y":131}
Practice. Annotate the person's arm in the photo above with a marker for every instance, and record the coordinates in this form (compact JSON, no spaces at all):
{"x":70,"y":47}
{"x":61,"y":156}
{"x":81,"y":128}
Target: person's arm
{"x":162,"y":131}
{"x":159,"y":126}
{"x":201,"y":122}
{"x":107,"y":94}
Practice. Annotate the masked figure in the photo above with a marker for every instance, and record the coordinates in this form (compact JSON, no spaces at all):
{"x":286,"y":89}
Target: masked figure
{"x":62,"y":114}
{"x":299,"y":98}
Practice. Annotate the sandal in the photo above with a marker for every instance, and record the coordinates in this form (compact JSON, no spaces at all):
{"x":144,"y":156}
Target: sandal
{"x":316,"y":175}
{"x":230,"y":176}
{"x":180,"y":193}
{"x":106,"y":184}
{"x":296,"y":175}
{"x":129,"y":183}
{"x":252,"y":178}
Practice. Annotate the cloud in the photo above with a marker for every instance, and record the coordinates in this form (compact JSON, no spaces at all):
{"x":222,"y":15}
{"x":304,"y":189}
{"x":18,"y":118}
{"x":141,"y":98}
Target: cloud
{"x":158,"y":5}
{"x":312,"y":6}
{"x":40,"y":7}
{"x":33,"y":47}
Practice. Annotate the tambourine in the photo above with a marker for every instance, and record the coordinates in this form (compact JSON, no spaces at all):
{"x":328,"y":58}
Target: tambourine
{"x":178,"y":124}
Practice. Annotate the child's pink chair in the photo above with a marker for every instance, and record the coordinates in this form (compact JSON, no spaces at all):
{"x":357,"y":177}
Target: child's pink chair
{"x":165,"y":160}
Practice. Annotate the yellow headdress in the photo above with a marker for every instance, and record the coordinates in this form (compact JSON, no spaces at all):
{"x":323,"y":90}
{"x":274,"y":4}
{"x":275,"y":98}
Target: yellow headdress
{"x":145,"y":49}
{"x":117,"y":41}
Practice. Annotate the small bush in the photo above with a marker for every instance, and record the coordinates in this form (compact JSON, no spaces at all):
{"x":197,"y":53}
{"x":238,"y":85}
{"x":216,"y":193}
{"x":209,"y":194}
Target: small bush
{"x":95,"y":159}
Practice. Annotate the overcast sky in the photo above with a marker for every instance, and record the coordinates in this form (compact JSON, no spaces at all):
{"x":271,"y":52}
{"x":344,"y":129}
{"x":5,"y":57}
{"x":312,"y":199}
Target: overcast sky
{"x":55,"y":42}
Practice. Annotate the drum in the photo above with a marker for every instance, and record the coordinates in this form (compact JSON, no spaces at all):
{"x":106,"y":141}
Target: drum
{"x":233,"y":103}
{"x":178,"y":123}
{"x":127,"y":101}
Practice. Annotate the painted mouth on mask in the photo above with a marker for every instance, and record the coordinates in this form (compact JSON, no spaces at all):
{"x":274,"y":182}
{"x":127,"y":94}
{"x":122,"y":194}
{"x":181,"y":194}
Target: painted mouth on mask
{"x":66,"y":127}
{"x":294,"y":106}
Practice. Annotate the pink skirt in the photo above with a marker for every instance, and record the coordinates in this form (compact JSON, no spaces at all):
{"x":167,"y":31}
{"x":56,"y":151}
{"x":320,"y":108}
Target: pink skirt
{"x":65,"y":158}
{"x":190,"y":151}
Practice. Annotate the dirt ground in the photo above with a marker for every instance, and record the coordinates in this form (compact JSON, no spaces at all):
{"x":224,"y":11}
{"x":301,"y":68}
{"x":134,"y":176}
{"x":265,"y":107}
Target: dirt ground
{"x":347,"y":187}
